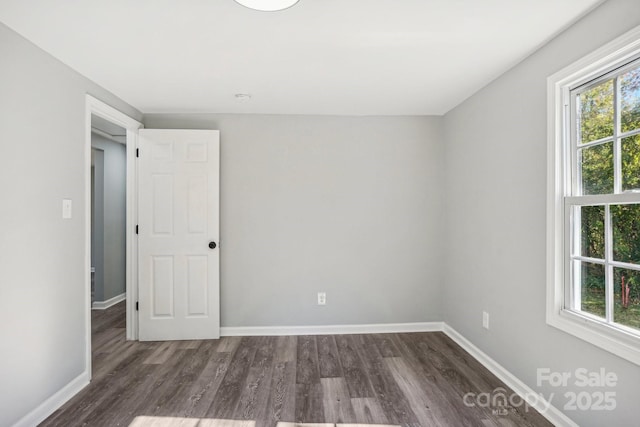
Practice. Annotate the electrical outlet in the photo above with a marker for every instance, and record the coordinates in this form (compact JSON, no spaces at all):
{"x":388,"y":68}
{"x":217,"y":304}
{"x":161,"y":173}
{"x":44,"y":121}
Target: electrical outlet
{"x":485,"y":320}
{"x":322,"y":298}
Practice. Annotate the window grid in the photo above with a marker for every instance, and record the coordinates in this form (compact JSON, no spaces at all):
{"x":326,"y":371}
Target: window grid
{"x":577,"y":199}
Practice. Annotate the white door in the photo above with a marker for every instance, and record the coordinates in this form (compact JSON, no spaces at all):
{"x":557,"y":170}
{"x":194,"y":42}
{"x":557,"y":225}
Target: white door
{"x":178,"y":220}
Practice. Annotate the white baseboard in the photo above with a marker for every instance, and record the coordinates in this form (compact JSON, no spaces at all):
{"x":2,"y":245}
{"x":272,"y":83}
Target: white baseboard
{"x":244,"y":331}
{"x":50,"y":405}
{"x":546,"y":409}
{"x":103,"y":305}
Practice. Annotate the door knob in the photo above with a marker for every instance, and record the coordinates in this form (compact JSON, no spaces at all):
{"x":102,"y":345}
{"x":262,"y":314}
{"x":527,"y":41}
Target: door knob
{"x":212,"y":245}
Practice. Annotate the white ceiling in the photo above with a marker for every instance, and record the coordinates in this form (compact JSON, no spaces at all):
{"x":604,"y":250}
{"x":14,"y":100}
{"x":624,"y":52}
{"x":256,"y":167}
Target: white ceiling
{"x":362,"y":57}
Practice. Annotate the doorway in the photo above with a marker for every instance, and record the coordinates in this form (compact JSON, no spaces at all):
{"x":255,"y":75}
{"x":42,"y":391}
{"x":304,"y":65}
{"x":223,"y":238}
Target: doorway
{"x":108,"y":237}
{"x":108,"y":213}
{"x":110,"y":256}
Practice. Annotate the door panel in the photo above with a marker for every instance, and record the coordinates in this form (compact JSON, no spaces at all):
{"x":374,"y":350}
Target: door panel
{"x":162,"y":204}
{"x":197,"y":274}
{"x":162,"y":286}
{"x":178,"y":218}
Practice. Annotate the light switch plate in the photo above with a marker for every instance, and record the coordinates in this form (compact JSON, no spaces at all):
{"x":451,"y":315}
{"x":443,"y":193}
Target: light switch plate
{"x":67,"y":208}
{"x":485,"y":320}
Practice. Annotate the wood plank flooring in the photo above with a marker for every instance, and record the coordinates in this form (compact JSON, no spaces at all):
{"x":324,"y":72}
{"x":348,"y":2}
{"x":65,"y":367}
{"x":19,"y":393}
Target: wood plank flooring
{"x":413,"y":379}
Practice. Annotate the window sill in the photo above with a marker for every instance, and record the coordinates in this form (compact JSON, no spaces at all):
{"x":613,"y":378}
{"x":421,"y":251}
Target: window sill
{"x":609,"y":338}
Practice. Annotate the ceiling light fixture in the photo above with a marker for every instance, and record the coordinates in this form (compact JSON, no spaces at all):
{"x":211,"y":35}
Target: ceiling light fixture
{"x":267,"y":5}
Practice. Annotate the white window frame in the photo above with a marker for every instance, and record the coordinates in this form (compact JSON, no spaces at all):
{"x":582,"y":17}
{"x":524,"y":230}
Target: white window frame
{"x":618,"y":340}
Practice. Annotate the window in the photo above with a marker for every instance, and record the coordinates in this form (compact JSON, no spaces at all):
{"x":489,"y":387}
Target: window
{"x":594,"y":198}
{"x":604,"y":254}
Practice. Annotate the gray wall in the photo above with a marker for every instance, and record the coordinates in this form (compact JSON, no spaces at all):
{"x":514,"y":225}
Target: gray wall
{"x":42,"y":306}
{"x":97,"y":222}
{"x":496,"y":211}
{"x":346,"y":205}
{"x":114,"y":202}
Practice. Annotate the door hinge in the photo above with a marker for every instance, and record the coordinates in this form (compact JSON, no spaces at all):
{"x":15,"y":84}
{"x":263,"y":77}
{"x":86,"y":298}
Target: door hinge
{"x":136,"y":229}
{"x":137,"y":152}
{"x":137,"y":306}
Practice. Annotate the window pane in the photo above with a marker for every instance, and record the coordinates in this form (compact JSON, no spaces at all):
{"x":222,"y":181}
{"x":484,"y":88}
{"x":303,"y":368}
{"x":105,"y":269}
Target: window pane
{"x":630,"y":100}
{"x":593,"y":289}
{"x":631,"y":163}
{"x":592,"y":231}
{"x":595,"y":112}
{"x":596,"y":165}
{"x":626,"y":297}
{"x":625,"y":220}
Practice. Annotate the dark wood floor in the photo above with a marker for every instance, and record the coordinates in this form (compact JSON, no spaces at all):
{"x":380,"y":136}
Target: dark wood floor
{"x":414,"y":379}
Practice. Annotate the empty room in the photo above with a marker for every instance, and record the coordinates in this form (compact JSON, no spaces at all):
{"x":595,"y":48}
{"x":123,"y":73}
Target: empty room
{"x":280,"y":213}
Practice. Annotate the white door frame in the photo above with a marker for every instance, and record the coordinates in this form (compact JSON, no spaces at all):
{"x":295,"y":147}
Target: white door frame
{"x":105,"y":111}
